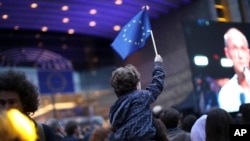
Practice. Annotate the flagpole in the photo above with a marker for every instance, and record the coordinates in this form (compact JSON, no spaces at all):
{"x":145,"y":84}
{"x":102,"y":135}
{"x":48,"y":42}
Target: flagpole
{"x":152,"y":36}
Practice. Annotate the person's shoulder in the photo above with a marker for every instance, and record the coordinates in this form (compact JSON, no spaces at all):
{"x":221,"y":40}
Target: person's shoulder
{"x":183,"y":135}
{"x":229,"y":85}
{"x":71,"y":139}
{"x":48,"y":133}
{"x":47,"y":128}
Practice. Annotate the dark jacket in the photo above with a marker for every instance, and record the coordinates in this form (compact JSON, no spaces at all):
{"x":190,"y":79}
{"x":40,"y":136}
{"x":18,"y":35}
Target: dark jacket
{"x":131,"y":116}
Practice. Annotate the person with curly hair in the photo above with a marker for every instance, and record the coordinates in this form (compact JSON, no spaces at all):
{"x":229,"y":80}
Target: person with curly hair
{"x":130,"y":116}
{"x":17,"y":92}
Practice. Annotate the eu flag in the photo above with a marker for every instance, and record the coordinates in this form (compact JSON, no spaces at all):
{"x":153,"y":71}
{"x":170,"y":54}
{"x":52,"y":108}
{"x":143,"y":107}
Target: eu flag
{"x":133,"y":35}
{"x":55,"y":81}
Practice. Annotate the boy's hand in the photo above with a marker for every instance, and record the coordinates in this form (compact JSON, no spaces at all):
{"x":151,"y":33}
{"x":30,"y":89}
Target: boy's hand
{"x":158,"y":58}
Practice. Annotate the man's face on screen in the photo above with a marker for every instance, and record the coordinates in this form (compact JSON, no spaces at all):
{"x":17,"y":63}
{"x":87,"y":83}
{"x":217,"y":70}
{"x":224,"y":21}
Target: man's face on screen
{"x":237,"y":50}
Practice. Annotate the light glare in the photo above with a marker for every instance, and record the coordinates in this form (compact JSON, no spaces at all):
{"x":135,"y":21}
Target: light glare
{"x":65,"y":8}
{"x":200,"y":60}
{"x":34,"y":5}
{"x":93,"y":11}
{"x":117,"y":28}
{"x":65,"y":20}
{"x":92,"y":23}
{"x":5,"y":16}
{"x":118,"y":2}
{"x":44,"y":29}
{"x":226,"y":63}
{"x":71,"y":31}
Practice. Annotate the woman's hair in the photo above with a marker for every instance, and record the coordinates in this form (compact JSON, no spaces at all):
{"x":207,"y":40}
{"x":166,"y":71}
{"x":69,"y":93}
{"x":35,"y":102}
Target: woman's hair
{"x":217,"y":125}
{"x":17,"y":82}
{"x":124,"y":79}
{"x":161,"y":130}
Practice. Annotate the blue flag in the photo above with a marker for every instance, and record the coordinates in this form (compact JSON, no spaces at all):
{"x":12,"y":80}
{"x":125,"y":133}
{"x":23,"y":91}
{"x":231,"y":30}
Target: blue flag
{"x":55,"y":81}
{"x":133,"y":35}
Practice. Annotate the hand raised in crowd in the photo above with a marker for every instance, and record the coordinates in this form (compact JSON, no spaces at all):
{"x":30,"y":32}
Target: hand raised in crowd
{"x":158,"y":58}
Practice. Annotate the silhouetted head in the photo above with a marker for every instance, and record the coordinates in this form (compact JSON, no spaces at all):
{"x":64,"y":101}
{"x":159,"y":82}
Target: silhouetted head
{"x":16,"y":91}
{"x":125,"y":79}
{"x":170,"y":117}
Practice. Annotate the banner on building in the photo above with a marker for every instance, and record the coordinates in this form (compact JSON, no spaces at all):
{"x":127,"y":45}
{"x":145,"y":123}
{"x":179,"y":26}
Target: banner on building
{"x":55,"y":81}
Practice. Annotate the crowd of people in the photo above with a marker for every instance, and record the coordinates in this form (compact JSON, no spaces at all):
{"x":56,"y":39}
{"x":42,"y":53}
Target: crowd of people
{"x":131,"y":117}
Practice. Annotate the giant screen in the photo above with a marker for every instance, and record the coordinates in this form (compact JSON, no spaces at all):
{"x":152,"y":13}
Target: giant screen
{"x":205,"y":38}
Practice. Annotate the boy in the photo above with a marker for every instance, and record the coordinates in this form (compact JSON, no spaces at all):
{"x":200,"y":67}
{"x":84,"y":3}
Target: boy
{"x":131,"y":116}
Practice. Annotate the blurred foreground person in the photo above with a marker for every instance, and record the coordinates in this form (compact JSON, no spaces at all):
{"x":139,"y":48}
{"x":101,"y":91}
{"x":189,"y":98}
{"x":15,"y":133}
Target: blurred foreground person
{"x":188,"y":122}
{"x":16,"y":126}
{"x":171,"y":118}
{"x":130,"y":116}
{"x":218,"y":125}
{"x":198,"y":130}
{"x":16,"y":91}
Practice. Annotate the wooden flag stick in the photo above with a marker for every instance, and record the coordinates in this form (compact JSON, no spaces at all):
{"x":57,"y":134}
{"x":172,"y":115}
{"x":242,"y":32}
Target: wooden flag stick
{"x":152,"y":36}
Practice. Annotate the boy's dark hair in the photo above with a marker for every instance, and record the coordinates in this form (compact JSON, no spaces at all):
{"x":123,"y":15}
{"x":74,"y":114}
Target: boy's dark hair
{"x":188,"y":122}
{"x":16,"y":81}
{"x":125,"y":79}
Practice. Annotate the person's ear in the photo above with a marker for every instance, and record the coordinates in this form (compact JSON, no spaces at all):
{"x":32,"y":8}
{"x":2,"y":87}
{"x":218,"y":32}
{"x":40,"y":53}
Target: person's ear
{"x":226,"y":51}
{"x":138,"y":86}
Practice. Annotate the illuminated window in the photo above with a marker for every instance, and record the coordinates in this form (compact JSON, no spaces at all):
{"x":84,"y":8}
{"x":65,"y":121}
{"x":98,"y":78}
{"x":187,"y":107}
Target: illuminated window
{"x":226,"y":63}
{"x":200,"y":60}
